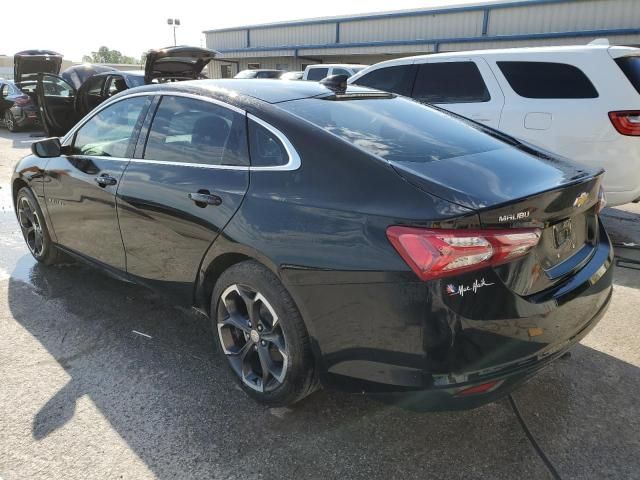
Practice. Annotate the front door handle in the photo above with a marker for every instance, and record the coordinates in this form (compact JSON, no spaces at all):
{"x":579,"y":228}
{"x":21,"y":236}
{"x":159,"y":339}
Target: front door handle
{"x":105,"y":179}
{"x":204,"y":198}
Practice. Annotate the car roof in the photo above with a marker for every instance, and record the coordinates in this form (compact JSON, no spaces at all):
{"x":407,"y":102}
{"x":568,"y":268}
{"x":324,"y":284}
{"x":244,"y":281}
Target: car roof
{"x":241,"y":91}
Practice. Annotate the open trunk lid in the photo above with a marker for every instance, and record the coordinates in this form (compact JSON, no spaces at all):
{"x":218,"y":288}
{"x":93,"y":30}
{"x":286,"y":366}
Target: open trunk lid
{"x":177,"y":63}
{"x":28,"y":63}
{"x":511,"y":188}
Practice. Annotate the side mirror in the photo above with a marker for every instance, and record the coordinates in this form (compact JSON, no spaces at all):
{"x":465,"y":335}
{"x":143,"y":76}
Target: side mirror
{"x":47,"y":148}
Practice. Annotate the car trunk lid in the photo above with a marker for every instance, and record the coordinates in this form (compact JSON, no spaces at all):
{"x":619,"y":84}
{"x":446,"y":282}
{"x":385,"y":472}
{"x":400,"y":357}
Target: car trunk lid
{"x":30,"y":62}
{"x":177,"y":63}
{"x":512,"y":188}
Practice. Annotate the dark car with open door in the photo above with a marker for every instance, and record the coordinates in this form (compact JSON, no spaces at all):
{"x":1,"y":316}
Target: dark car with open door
{"x":63,"y":103}
{"x":17,"y":109}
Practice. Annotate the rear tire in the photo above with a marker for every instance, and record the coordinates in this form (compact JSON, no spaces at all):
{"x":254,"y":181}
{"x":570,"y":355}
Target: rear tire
{"x":34,"y":228}
{"x":261,"y":335}
{"x":10,"y":121}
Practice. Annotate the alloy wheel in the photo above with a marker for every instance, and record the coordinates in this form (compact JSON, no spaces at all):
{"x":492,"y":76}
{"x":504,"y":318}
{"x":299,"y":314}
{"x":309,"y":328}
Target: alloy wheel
{"x":31,"y":226}
{"x":252,"y":338}
{"x":8,"y":121}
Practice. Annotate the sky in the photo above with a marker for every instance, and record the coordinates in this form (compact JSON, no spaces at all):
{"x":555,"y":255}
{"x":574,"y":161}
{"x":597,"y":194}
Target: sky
{"x":133,"y":27}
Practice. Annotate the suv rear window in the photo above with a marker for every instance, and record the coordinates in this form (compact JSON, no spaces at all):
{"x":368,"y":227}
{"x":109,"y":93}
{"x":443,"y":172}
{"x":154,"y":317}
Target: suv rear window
{"x":450,"y":82}
{"x":631,"y":68}
{"x":547,"y":80}
{"x":396,"y":79}
{"x":395,"y":129}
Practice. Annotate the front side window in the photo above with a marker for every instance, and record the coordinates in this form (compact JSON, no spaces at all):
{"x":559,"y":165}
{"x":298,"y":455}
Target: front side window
{"x":396,"y":79}
{"x":187,"y":130}
{"x":317,"y":73}
{"x":341,"y":71}
{"x":450,"y":82}
{"x":265,"y":148}
{"x":547,"y":80}
{"x":395,"y":129}
{"x":110,"y":131}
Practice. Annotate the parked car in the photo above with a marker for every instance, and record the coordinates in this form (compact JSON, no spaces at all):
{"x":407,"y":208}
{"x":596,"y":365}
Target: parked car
{"x":17,"y":110}
{"x":292,"y":76}
{"x":582,"y":102}
{"x":259,"y":73}
{"x":372,"y":243}
{"x":64,"y":102}
{"x":324,"y":70}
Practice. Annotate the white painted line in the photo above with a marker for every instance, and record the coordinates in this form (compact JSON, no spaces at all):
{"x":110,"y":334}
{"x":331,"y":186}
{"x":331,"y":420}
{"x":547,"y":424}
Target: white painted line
{"x":141,"y":334}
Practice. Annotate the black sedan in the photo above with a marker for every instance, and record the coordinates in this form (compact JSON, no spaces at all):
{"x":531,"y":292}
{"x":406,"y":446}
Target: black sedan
{"x":345,"y":238}
{"x":17,"y":110}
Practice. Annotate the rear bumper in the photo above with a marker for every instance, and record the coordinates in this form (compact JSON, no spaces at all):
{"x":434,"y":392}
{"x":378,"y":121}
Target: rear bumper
{"x":408,"y":342}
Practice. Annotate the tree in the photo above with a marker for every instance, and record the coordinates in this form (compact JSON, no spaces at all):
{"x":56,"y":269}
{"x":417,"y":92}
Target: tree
{"x":105,"y":55}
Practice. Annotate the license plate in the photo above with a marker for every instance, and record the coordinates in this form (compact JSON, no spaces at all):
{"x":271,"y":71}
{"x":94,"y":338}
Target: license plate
{"x":562,"y":233}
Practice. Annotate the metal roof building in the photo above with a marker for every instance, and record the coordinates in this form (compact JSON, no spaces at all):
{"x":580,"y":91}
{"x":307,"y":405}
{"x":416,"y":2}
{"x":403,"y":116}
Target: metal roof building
{"x":371,"y":38}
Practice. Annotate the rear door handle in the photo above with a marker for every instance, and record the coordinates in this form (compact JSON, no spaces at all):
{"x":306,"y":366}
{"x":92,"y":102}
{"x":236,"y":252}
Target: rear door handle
{"x":204,"y":198}
{"x":105,"y":179}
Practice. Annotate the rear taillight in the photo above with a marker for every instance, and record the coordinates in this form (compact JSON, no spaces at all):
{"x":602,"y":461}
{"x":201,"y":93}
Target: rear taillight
{"x":626,"y":122}
{"x":22,"y":101}
{"x":436,"y":253}
{"x":602,"y":201}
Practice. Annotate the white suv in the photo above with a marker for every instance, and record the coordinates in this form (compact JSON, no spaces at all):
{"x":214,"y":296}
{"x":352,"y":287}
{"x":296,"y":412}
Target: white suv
{"x":581,"y":102}
{"x":324,"y":70}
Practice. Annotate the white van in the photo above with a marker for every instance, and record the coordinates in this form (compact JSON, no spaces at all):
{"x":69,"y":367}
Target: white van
{"x":324,"y":70}
{"x":582,"y":102}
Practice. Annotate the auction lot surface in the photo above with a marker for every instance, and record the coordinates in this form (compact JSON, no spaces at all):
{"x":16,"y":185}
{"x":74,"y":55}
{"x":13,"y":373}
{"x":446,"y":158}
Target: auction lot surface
{"x":83,"y":395}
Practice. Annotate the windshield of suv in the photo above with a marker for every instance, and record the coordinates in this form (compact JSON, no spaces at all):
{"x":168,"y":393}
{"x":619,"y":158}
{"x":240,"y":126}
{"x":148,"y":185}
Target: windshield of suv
{"x":395,"y":129}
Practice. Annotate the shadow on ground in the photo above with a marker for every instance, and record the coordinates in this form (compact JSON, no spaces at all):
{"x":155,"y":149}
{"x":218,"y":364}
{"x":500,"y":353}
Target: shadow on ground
{"x":178,"y":409}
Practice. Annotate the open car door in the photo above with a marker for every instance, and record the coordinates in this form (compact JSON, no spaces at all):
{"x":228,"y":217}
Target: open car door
{"x":56,"y":101}
{"x":176,"y":63}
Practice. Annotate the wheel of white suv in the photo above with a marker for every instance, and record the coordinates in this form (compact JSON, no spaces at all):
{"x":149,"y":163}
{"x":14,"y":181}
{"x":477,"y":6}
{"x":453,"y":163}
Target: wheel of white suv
{"x":261,"y":335}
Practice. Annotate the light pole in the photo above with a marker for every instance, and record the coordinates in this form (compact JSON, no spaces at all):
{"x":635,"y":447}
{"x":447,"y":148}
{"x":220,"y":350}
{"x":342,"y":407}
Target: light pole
{"x":175,"y":22}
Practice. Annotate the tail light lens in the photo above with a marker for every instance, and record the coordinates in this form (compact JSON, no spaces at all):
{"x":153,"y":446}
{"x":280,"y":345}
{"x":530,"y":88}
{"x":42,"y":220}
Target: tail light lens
{"x":602,"y":201}
{"x":23,"y":101}
{"x":626,"y":122}
{"x":437,"y":253}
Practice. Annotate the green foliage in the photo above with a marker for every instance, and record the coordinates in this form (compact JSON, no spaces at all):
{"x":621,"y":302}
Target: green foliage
{"x":105,"y":55}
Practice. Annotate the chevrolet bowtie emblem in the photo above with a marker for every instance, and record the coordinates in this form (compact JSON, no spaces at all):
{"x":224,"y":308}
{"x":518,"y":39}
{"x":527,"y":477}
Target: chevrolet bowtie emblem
{"x":581,"y":200}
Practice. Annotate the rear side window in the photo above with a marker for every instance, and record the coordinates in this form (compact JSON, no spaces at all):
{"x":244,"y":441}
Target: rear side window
{"x":341,"y":71}
{"x":397,"y":79}
{"x":265,"y":148}
{"x":631,"y":68}
{"x":186,"y":130}
{"x":317,"y":73}
{"x":395,"y":129}
{"x":547,"y":80}
{"x":450,"y":82}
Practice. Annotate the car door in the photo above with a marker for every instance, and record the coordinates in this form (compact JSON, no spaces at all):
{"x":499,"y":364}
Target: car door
{"x":80,"y":186}
{"x":56,"y":102}
{"x":465,"y":86}
{"x":90,"y":94}
{"x":183,"y":186}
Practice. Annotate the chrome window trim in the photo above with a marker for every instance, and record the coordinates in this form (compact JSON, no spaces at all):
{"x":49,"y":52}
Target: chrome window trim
{"x":294,"y":159}
{"x":292,"y":164}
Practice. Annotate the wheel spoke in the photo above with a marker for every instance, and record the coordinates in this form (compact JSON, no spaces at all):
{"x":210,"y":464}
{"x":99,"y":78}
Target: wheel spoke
{"x":243,"y":351}
{"x":237,"y":321}
{"x":276,"y":340}
{"x":269,"y":368}
{"x":37,"y":244}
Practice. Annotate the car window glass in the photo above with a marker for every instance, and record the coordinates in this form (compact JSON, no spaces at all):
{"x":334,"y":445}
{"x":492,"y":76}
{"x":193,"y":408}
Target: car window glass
{"x":547,"y":80}
{"x":317,"y":73}
{"x":107,"y":134}
{"x":56,"y":87}
{"x":395,"y":129}
{"x":341,"y":71}
{"x":95,"y":86}
{"x":630,"y":66}
{"x":116,"y":85}
{"x":265,"y":148}
{"x":194,"y":131}
{"x":450,"y":82}
{"x":395,"y":79}
{"x":4,"y":90}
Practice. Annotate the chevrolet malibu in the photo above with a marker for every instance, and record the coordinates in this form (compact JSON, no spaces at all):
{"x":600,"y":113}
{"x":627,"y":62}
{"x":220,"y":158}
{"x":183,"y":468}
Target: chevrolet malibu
{"x":334,"y":236}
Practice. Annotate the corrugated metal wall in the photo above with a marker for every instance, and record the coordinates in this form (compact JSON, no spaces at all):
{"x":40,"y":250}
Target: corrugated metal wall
{"x":463,"y":24}
{"x":227,"y":39}
{"x":571,"y":16}
{"x":297,"y":35}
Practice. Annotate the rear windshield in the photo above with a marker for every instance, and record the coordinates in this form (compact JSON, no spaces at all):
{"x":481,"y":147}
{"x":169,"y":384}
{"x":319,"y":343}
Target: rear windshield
{"x":631,"y":68}
{"x":395,"y":129}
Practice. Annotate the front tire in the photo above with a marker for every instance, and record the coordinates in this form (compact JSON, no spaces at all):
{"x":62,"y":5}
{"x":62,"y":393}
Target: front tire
{"x":261,"y":335}
{"x":34,"y":228}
